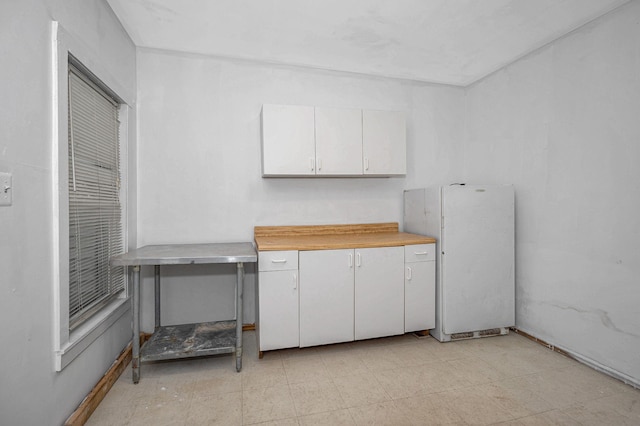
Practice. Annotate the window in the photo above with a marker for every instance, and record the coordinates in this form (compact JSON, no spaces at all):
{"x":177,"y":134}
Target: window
{"x":95,"y":214}
{"x":93,"y":99}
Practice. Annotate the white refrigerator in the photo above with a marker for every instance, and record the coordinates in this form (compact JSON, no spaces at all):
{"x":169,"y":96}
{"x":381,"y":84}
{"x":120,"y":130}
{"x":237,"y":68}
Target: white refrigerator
{"x":474,"y":227}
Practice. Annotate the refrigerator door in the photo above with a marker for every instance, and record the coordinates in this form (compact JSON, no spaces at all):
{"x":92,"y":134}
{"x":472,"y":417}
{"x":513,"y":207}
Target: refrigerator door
{"x":478,"y":288}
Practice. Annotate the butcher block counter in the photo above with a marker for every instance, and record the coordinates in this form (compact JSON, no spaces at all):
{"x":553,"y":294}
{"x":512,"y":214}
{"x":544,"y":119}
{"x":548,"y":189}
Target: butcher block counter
{"x":329,"y":237}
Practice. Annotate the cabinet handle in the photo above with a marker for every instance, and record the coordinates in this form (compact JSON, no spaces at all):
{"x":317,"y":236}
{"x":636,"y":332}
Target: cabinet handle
{"x":419,"y":253}
{"x":312,"y":163}
{"x":278,"y":260}
{"x":319,"y":164}
{"x":350,"y":260}
{"x":366,"y":163}
{"x":409,"y":274}
{"x":358,"y":260}
{"x":295,"y":281}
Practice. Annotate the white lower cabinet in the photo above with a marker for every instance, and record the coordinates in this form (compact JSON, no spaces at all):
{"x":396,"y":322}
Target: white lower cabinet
{"x":326,"y":296}
{"x":319,"y":297}
{"x":278,"y":288}
{"x":419,"y":288}
{"x":379,"y":292}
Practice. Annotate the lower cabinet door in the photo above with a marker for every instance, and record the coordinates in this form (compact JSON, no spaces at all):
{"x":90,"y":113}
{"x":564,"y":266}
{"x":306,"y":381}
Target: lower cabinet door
{"x":278,"y":310}
{"x":326,"y":296}
{"x":419,"y":296}
{"x":379,"y":292}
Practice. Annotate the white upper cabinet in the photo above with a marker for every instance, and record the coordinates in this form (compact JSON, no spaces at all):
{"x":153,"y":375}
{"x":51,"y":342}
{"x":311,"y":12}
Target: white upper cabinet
{"x":384,"y":143}
{"x":307,"y":141}
{"x":338,"y":141}
{"x":288,"y":140}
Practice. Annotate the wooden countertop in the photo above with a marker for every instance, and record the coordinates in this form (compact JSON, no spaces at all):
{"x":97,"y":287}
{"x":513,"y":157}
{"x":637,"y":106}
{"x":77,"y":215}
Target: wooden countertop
{"x":328,"y":237}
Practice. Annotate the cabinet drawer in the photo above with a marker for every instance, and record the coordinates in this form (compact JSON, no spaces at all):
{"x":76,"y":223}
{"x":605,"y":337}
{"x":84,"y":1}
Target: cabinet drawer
{"x":277,"y":260}
{"x":419,"y":253}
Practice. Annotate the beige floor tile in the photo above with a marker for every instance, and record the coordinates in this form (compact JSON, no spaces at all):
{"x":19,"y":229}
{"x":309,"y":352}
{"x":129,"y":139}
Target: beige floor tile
{"x":216,"y":409}
{"x":262,"y":379}
{"x":598,"y":383}
{"x":329,"y":418}
{"x":293,"y":421}
{"x":549,"y":418}
{"x":305,"y":369}
{"x":431,"y":378}
{"x":207,"y":386}
{"x":125,"y":393}
{"x":316,"y":397}
{"x":626,"y":403}
{"x":266,"y":404}
{"x":344,"y":363}
{"x":519,"y":400}
{"x":538,"y":354}
{"x":474,"y":407}
{"x":512,"y":363}
{"x":441,"y":377}
{"x":565,"y":387}
{"x":265,"y":374}
{"x":593,"y":413}
{"x":380,"y":414}
{"x":431,"y":409}
{"x":379,"y":358}
{"x":171,"y":412}
{"x":266,"y":362}
{"x":158,"y":391}
{"x":413,"y":355}
{"x":398,"y":380}
{"x":475,"y":370}
{"x":111,"y":415}
{"x":556,"y":393}
{"x":360,"y":389}
{"x":402,"y":383}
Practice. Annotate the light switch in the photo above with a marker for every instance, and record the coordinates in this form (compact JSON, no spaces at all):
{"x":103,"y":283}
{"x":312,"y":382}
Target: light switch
{"x":5,"y":189}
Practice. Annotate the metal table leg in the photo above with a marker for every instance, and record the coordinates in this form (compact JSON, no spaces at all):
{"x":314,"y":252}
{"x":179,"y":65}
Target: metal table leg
{"x":239,"y":285}
{"x":157,"y":294}
{"x":135,"y":344}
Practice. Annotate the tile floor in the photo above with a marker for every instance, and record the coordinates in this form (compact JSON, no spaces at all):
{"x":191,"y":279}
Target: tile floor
{"x":402,"y":380}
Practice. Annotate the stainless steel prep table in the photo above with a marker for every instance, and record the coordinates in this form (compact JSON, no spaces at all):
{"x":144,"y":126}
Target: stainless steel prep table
{"x":188,"y":340}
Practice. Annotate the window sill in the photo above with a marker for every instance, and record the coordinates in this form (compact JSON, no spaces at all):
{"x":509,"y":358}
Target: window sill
{"x":88,"y":332}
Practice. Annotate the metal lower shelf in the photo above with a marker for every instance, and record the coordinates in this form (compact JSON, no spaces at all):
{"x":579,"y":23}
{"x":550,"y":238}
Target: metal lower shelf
{"x":190,"y":340}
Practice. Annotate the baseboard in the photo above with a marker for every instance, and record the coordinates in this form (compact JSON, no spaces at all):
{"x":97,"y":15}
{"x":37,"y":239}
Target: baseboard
{"x":583,"y":360}
{"x":80,"y":416}
{"x":540,"y":342}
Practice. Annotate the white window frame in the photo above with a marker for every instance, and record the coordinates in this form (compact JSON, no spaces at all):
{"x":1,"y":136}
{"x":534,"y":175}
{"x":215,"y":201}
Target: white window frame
{"x":69,"y":344}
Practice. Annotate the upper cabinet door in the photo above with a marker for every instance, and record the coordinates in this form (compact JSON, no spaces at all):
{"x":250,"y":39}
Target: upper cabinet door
{"x":384,"y":143}
{"x":338,"y":141}
{"x":288,"y":140}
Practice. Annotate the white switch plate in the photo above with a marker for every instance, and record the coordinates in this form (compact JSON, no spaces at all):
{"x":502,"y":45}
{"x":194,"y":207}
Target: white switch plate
{"x":5,"y":189}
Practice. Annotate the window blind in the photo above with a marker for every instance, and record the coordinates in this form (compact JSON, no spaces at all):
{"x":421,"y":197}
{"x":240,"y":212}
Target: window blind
{"x":95,"y":214}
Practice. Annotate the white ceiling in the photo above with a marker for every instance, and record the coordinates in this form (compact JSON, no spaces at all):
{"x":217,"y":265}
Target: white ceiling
{"x":442,"y":41}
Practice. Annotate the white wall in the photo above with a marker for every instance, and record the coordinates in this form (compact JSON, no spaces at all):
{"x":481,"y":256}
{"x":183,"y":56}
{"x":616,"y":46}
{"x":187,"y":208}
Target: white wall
{"x":563,"y":125}
{"x":31,"y":392}
{"x":200,"y":177}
